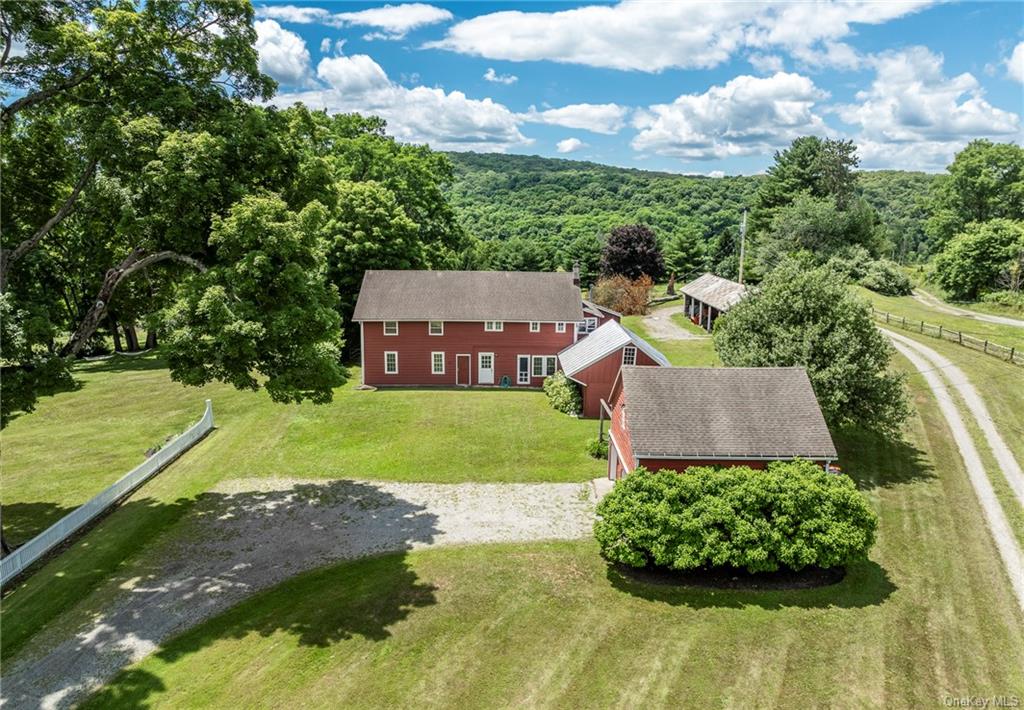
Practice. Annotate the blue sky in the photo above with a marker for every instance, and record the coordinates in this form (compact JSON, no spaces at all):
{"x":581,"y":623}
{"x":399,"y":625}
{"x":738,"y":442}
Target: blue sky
{"x":690,"y":87}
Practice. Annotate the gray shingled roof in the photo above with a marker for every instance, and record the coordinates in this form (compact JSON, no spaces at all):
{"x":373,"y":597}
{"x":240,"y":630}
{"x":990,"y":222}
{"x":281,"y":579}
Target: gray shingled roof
{"x":715,"y":291}
{"x":724,"y":411}
{"x":468,"y":296}
{"x":600,"y":344}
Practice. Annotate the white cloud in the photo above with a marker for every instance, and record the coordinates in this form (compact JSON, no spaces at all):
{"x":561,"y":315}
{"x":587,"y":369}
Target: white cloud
{"x":445,"y":120}
{"x":325,"y":45}
{"x":746,"y":116}
{"x":652,"y":36}
{"x":716,"y":174}
{"x":391,"y":21}
{"x":283,"y":54}
{"x":357,"y":74}
{"x":1015,"y":64}
{"x":570,"y":145}
{"x":497,"y":78}
{"x":915,"y":116}
{"x":599,"y":118}
{"x":766,"y":63}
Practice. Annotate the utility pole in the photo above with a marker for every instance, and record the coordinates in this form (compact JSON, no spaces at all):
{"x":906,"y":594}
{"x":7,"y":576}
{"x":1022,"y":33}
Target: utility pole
{"x":743,"y":241}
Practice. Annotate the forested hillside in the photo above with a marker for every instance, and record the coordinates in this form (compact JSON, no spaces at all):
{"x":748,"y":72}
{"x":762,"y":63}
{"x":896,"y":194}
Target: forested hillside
{"x":553,"y":202}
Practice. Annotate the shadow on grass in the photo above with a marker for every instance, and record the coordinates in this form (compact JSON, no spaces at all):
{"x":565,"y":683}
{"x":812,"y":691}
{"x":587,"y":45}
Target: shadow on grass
{"x":874,"y":461}
{"x":123,"y":363}
{"x":228,"y":546}
{"x":865,"y":584}
{"x":23,"y":521}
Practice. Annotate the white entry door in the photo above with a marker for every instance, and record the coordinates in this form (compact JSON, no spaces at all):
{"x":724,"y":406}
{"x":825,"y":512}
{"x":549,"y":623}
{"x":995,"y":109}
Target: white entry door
{"x":485,"y":369}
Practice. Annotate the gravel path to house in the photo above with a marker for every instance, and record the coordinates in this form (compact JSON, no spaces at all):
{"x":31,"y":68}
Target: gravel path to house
{"x":250,"y":534}
{"x":1006,"y":543}
{"x":660,"y":326}
{"x":931,"y":301}
{"x":1009,"y":465}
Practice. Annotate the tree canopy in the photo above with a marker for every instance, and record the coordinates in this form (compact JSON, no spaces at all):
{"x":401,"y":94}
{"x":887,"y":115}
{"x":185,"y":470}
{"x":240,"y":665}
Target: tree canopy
{"x":632,"y":251}
{"x":808,"y":317}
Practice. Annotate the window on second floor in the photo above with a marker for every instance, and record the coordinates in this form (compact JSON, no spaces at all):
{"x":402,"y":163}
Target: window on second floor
{"x":494,"y":326}
{"x":390,"y":327}
{"x":560,"y":327}
{"x":586,"y":326}
{"x":436,"y":327}
{"x":534,"y":327}
{"x":629,"y":355}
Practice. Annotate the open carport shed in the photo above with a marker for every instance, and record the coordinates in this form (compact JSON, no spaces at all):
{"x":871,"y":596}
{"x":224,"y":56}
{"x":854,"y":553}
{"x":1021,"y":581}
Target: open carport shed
{"x":707,"y":297}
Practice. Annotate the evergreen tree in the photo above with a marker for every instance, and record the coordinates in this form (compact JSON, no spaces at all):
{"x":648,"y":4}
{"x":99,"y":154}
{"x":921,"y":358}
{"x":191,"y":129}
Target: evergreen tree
{"x":684,"y":254}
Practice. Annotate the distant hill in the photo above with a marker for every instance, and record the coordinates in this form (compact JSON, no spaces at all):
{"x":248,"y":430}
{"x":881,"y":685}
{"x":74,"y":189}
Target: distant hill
{"x":553,"y":201}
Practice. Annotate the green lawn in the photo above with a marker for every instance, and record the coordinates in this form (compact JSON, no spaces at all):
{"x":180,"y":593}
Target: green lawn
{"x":551,"y":625}
{"x":1001,"y":386}
{"x":681,"y":353}
{"x":78,"y":442}
{"x":907,"y":307}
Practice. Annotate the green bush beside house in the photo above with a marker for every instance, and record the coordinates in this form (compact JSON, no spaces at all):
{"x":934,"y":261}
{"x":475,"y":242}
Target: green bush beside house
{"x":792,"y":515}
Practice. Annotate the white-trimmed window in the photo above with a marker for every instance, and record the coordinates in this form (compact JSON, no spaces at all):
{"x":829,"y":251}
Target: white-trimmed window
{"x":390,"y":362}
{"x":436,"y":327}
{"x":390,"y":327}
{"x":560,"y":327}
{"x":591,"y":324}
{"x":437,"y":363}
{"x":544,"y":365}
{"x":534,"y":327}
{"x":629,"y":355}
{"x":494,"y":326}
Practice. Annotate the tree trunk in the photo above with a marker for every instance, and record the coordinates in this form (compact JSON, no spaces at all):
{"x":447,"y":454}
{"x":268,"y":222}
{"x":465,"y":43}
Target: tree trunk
{"x":135,"y":261}
{"x":116,"y":332}
{"x":150,"y":338}
{"x":132,"y":337}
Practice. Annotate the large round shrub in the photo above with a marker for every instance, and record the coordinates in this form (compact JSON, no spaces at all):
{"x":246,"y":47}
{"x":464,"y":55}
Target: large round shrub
{"x":792,"y":515}
{"x":886,"y":278}
{"x":563,"y":394}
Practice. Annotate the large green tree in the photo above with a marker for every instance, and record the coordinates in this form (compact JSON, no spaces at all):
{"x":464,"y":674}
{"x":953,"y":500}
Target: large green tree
{"x":808,"y":317}
{"x":978,"y":258}
{"x":985,"y":181}
{"x":810,"y":166}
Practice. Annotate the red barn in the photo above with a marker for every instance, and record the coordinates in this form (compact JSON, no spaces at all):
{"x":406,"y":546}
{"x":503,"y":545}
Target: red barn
{"x":594,"y":316}
{"x":677,"y":417}
{"x":594,"y":361}
{"x":423,"y":328}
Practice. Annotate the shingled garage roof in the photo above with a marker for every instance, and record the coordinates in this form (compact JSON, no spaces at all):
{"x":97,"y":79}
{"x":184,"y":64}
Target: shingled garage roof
{"x":715,"y":291}
{"x":600,"y":344}
{"x":468,"y":296}
{"x":696,"y":412}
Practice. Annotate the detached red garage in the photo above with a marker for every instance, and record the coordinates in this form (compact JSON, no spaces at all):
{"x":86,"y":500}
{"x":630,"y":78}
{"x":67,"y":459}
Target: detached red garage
{"x":594,"y":361}
{"x":677,"y":417}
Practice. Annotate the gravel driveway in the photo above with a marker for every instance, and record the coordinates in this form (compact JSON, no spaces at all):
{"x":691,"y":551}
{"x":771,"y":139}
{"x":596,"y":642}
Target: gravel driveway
{"x":929,"y":364}
{"x":250,"y":534}
{"x":660,"y":326}
{"x":931,"y":301}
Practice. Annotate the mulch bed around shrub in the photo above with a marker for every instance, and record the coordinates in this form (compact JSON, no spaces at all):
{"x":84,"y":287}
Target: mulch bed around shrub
{"x":729,"y":578}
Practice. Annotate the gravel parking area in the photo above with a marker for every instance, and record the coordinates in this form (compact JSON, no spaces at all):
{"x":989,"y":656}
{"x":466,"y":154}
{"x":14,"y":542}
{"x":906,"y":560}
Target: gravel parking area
{"x":250,"y":534}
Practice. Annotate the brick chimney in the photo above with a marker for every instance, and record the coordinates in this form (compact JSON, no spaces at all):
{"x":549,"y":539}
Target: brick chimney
{"x":576,"y":273}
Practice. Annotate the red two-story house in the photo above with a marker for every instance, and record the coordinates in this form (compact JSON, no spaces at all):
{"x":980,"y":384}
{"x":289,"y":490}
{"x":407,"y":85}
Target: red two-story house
{"x":479,"y":328}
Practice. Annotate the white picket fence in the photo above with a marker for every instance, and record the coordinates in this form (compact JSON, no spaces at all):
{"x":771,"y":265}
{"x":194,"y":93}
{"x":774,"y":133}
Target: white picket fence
{"x":64,"y":528}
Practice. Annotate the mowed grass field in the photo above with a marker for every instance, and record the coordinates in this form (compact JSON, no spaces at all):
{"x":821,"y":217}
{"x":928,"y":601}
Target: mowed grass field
{"x":78,"y":442}
{"x":930,"y":616}
{"x":908,"y":307}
